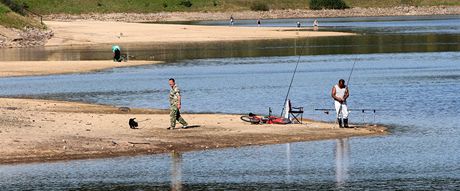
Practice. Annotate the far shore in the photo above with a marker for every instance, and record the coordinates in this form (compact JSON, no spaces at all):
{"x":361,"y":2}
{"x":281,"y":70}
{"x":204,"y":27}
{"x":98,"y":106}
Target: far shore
{"x":254,"y":15}
{"x":45,"y":130}
{"x":116,"y":28}
{"x":39,"y":68}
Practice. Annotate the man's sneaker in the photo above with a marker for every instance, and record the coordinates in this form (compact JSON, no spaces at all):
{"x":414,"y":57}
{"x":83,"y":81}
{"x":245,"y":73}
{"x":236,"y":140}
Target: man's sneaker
{"x":170,"y":128}
{"x":184,"y":127}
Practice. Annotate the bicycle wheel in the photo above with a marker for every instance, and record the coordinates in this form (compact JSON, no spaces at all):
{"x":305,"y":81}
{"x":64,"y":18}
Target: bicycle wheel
{"x":250,"y":119}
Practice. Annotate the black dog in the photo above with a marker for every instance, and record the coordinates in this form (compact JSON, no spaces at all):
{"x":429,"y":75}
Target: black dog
{"x":132,"y":123}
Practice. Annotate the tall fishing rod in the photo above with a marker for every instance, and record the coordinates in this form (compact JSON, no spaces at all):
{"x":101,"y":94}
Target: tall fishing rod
{"x":351,"y":72}
{"x":292,"y":79}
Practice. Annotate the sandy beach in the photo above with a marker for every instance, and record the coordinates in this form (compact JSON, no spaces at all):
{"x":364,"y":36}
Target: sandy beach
{"x":36,"y":68}
{"x":43,"y":130}
{"x":110,"y":32}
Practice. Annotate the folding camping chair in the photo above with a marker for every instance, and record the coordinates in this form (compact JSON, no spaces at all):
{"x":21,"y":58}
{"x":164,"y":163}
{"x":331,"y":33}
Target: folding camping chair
{"x":296,"y":112}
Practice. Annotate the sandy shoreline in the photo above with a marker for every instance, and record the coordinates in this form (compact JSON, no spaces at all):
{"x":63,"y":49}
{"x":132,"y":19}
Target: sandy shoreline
{"x":37,"y":68}
{"x":110,"y":32}
{"x":43,"y":130}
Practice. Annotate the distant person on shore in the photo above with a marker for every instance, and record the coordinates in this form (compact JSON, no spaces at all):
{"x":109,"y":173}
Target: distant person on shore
{"x":340,"y":94}
{"x":232,"y":20}
{"x":298,"y":24}
{"x":315,"y":25}
{"x":175,"y":105}
{"x":116,"y":53}
{"x":258,"y":22}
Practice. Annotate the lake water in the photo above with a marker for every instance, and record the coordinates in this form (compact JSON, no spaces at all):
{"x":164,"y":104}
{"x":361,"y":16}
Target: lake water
{"x":412,"y":79}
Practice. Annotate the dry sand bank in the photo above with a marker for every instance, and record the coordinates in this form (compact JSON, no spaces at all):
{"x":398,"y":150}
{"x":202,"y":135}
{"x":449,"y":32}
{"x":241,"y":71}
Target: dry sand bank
{"x":35,"y":68}
{"x":42,"y":130}
{"x":109,"y":32}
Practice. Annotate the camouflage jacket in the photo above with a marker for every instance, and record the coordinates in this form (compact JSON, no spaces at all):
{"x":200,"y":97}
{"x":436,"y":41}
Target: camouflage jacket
{"x":174,"y":94}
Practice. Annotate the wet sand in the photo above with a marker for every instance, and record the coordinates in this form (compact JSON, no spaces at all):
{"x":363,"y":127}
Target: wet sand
{"x":36,"y":68}
{"x":43,"y":130}
{"x":109,"y":32}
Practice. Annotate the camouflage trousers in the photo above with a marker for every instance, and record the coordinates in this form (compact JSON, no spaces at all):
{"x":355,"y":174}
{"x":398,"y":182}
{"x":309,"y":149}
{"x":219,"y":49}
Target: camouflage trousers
{"x":174,"y":115}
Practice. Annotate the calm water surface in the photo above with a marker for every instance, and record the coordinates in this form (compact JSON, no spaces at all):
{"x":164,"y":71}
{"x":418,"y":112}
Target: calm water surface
{"x":415,"y":93}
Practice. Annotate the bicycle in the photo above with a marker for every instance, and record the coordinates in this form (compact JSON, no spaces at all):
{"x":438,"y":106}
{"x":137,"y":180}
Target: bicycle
{"x":254,"y":119}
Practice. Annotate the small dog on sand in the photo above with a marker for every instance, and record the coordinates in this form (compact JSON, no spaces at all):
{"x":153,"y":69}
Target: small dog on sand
{"x":132,"y":123}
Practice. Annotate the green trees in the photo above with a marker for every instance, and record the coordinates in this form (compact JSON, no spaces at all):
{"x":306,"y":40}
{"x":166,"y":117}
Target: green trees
{"x":328,"y":4}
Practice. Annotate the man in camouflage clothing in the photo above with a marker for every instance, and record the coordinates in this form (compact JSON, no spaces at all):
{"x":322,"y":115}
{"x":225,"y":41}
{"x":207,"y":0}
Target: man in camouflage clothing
{"x":175,"y":105}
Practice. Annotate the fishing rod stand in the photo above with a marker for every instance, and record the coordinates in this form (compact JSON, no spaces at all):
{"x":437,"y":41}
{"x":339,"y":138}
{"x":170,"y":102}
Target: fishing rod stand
{"x":363,"y":113}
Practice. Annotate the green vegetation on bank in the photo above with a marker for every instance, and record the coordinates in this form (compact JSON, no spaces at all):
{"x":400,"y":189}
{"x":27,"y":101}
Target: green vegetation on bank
{"x":394,"y":3}
{"x":328,"y":4}
{"x":10,"y":19}
{"x":146,"y":6}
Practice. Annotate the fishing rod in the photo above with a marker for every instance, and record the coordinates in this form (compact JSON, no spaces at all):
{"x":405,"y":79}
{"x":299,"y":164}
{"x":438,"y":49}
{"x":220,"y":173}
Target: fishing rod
{"x":346,"y":86}
{"x":362,"y":110}
{"x":351,"y":72}
{"x":292,"y":79}
{"x":293,"y":74}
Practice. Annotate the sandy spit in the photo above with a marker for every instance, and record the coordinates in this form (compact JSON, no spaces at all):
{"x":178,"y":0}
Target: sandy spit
{"x":43,"y":130}
{"x":37,"y":68}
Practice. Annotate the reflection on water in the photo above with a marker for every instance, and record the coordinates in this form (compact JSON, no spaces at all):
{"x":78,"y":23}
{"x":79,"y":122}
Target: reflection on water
{"x":288,"y":162}
{"x":320,"y":165}
{"x":176,"y":171}
{"x":360,"y":44}
{"x":341,"y":161}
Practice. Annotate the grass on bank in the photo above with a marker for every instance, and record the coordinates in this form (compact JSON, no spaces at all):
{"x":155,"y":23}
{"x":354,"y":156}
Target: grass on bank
{"x":394,"y":3}
{"x":10,"y":19}
{"x":146,"y":6}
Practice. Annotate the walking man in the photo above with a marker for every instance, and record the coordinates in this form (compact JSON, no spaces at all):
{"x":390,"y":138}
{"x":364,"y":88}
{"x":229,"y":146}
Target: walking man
{"x":175,"y":105}
{"x":340,"y":94}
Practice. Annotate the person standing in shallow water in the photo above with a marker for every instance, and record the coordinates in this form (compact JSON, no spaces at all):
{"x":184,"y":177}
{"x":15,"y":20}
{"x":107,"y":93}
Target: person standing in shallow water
{"x":232,"y":20}
{"x":175,"y":105}
{"x":315,"y":25}
{"x":116,"y":53}
{"x":340,"y":94}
